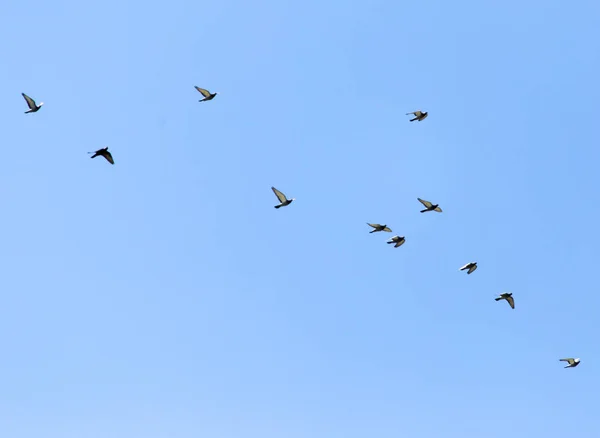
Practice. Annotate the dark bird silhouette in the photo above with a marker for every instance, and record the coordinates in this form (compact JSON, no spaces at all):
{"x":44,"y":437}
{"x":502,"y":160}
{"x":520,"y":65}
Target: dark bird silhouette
{"x":398,"y":240}
{"x":31,"y":104}
{"x":207,"y":94}
{"x":573,"y":361}
{"x":418,"y":116}
{"x":429,"y":206}
{"x":379,"y":227}
{"x":508,"y":297}
{"x":282,"y":198}
{"x":470,"y":266}
{"x":104,"y":153}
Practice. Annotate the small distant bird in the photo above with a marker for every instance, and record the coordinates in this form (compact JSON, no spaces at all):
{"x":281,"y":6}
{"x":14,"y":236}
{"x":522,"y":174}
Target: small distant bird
{"x":31,"y":104}
{"x":508,"y":297}
{"x":282,"y":198}
{"x":418,"y":116}
{"x":103,"y":152}
{"x":470,"y":266}
{"x":207,"y":94}
{"x":379,"y":228}
{"x":573,"y":362}
{"x":398,"y":240}
{"x":429,"y":206}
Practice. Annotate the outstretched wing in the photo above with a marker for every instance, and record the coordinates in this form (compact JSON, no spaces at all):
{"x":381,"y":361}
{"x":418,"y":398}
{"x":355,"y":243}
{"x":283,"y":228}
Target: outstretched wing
{"x":399,"y":243}
{"x":465,"y":267}
{"x":387,"y":229}
{"x":511,"y":301}
{"x":427,"y":204}
{"x":373,"y":225}
{"x":108,"y":157}
{"x":204,"y":92}
{"x":471,"y":269}
{"x":418,"y":113}
{"x":30,"y":102}
{"x":438,"y":209}
{"x":568,"y":359}
{"x":279,"y":195}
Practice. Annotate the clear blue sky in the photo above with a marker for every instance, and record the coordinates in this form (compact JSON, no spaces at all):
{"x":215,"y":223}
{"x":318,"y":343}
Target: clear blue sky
{"x":165,"y":297}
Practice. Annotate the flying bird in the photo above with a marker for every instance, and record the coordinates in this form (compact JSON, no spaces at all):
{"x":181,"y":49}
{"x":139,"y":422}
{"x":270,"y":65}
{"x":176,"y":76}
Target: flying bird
{"x":429,"y":206}
{"x":419,"y":115}
{"x":103,"y":152}
{"x":508,"y":297}
{"x":31,"y":104}
{"x":282,"y":198}
{"x":573,"y":362}
{"x":207,"y":94}
{"x":398,"y":240}
{"x":470,"y":266}
{"x":379,"y":228}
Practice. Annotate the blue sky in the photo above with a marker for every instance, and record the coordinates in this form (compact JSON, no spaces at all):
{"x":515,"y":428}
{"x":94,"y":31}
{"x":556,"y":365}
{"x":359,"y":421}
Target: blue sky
{"x":165,"y":297}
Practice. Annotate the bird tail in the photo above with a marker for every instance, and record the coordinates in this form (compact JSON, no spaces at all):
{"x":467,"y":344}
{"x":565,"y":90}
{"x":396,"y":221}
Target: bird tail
{"x":423,"y":211}
{"x":412,"y":120}
{"x":277,"y":206}
{"x":372,"y":231}
{"x":497,"y":299}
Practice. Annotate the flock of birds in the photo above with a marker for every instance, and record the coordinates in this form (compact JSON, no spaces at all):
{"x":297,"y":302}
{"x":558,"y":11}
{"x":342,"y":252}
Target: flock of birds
{"x":284,"y":201}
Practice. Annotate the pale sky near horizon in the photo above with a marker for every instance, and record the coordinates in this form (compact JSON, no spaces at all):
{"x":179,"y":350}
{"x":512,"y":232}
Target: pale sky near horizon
{"x":165,"y":297}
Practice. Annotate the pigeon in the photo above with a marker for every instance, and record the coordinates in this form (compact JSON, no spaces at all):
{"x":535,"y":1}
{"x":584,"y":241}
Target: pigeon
{"x":508,"y":297}
{"x":31,"y":104}
{"x":207,"y":94}
{"x":430,"y":206}
{"x":103,"y":152}
{"x":398,"y":240}
{"x":379,"y":228}
{"x":418,"y":116}
{"x":573,"y":362}
{"x":284,"y":201}
{"x":470,"y":266}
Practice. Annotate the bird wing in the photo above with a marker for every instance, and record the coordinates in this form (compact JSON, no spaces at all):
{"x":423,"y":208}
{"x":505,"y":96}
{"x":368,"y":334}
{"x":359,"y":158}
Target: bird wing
{"x":438,"y":209}
{"x":387,"y":229}
{"x":373,"y":225}
{"x":511,"y":301}
{"x":30,"y":102}
{"x":425,"y":203}
{"x":471,"y":269}
{"x":204,"y":92}
{"x":400,"y":243}
{"x":418,"y":113}
{"x":279,"y":195}
{"x":568,"y":359}
{"x":108,"y":157}
{"x":465,"y":267}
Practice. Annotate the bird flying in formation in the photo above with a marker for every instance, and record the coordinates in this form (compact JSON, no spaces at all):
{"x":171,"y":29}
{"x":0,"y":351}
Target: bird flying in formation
{"x":429,"y":206}
{"x":419,"y":115}
{"x":378,"y":227}
{"x":470,"y":266}
{"x":398,"y":240}
{"x":508,"y":297}
{"x":31,"y":104}
{"x":282,"y":198}
{"x":103,"y":152}
{"x":207,"y":94}
{"x":573,"y":361}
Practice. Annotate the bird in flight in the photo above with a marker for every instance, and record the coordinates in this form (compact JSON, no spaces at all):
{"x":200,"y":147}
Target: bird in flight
{"x":429,"y":206}
{"x":378,"y":227}
{"x":573,"y":361}
{"x":282,"y":198}
{"x":470,"y":266}
{"x":103,"y":152}
{"x":419,"y":115}
{"x":508,"y":297}
{"x":31,"y":104}
{"x":207,"y":94}
{"x":398,"y":240}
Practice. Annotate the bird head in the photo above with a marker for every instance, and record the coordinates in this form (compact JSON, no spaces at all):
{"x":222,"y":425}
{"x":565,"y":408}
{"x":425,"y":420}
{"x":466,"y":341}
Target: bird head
{"x":293,"y":199}
{"x":577,"y":360}
{"x":40,"y":104}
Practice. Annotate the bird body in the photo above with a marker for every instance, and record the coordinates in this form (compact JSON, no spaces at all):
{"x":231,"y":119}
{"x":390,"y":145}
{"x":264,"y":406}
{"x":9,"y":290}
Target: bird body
{"x":31,"y":104}
{"x":398,"y":240}
{"x":378,"y":227}
{"x":508,"y":297}
{"x":429,"y":206}
{"x":419,"y":115}
{"x":470,"y":266}
{"x":207,"y":94}
{"x":104,"y":153}
{"x":282,"y":198}
{"x":573,"y":361}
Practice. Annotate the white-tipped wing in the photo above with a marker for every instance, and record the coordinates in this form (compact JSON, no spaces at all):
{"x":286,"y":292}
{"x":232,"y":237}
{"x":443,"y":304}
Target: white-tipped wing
{"x":427,"y":204}
{"x":30,"y":102}
{"x":204,"y":92}
{"x":570,"y":360}
{"x":279,"y":195}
